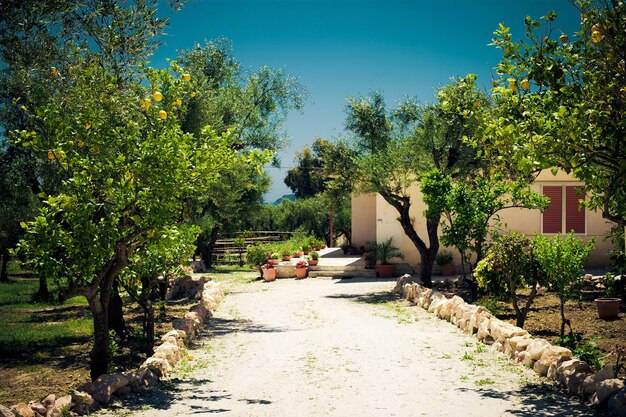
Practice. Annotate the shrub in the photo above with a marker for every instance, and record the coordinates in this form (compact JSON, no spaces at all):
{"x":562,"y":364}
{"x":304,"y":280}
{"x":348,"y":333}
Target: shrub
{"x":443,"y":258}
{"x":314,"y":255}
{"x":508,"y":267}
{"x":256,"y":255}
{"x":562,"y":261}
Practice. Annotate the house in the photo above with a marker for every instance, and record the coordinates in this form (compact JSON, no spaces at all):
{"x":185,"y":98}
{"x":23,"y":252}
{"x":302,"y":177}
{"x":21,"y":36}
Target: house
{"x":373,"y":219}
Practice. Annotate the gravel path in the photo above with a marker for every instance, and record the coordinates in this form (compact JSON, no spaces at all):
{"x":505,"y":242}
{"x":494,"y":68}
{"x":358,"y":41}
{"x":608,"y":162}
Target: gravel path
{"x":344,"y":348}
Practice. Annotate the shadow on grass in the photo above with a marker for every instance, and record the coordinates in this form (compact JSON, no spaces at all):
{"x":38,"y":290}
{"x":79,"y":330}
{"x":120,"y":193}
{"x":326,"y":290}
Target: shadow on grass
{"x":536,"y":400}
{"x":197,"y":393}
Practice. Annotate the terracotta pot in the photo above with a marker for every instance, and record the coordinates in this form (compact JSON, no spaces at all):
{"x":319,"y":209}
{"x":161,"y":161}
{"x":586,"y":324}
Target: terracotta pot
{"x":313,"y":262}
{"x":301,"y":273}
{"x":273,"y":262}
{"x":306,"y":252}
{"x":286,"y":258}
{"x":385,"y":271}
{"x":297,"y":254}
{"x":447,"y":269}
{"x":269,"y":274}
{"x":608,"y":308}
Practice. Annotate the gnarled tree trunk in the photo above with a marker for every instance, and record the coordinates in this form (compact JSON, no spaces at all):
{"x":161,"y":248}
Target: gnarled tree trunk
{"x":4,"y":275}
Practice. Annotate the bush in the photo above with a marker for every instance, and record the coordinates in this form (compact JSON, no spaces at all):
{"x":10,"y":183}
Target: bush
{"x":443,"y":258}
{"x":508,"y":267}
{"x":256,"y":255}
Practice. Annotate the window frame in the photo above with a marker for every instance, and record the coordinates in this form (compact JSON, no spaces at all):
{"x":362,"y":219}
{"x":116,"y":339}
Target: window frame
{"x":564,"y":186}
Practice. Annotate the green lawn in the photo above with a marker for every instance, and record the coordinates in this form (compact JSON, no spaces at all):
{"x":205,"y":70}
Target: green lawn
{"x":32,"y":326}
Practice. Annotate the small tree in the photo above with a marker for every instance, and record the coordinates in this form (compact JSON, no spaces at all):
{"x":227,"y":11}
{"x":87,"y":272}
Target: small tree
{"x":562,"y":260}
{"x":508,"y":267}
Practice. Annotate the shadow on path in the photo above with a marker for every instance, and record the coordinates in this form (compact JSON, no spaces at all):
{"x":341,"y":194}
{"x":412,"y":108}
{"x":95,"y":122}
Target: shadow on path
{"x":380,"y":297}
{"x":220,"y":327}
{"x":537,"y":400}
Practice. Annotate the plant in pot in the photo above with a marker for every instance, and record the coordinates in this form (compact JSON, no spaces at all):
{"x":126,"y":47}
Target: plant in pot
{"x":384,"y":252}
{"x":608,"y":306}
{"x":256,"y":256}
{"x":286,"y":253}
{"x":306,"y":249}
{"x":298,"y":253}
{"x":274,"y":258}
{"x":314,"y":258}
{"x":301,"y":269}
{"x":370,"y":258}
{"x":269,"y":272}
{"x":444,"y":260}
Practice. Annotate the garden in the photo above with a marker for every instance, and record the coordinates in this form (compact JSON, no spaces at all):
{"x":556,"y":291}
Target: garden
{"x":119,"y":177}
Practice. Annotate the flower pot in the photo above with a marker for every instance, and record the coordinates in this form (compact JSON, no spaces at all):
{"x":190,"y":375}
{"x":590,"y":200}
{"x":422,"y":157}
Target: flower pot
{"x":608,"y":308}
{"x":301,"y":273}
{"x":447,"y":269}
{"x":385,"y":271}
{"x":297,"y":254}
{"x":273,"y":262}
{"x":306,"y":252}
{"x":269,"y":274}
{"x":313,"y":262}
{"x":286,"y":258}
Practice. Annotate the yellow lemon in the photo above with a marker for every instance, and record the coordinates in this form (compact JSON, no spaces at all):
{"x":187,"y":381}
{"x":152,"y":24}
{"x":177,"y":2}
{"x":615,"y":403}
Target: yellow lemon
{"x":193,"y":94}
{"x":525,"y":84}
{"x":145,"y":103}
{"x":564,"y":38}
{"x":163,"y":114}
{"x":597,"y":28}
{"x":51,"y":155}
{"x":179,"y":101}
{"x":596,"y":36}
{"x":157,"y":96}
{"x":186,"y":77}
{"x":512,"y":87}
{"x":87,"y":125}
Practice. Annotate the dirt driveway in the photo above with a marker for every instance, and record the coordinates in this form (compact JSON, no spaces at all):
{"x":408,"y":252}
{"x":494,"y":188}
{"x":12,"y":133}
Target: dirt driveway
{"x":344,"y":348}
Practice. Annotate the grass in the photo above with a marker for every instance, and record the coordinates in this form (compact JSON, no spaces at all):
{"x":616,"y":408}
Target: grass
{"x":485,"y":381}
{"x":28,"y":325}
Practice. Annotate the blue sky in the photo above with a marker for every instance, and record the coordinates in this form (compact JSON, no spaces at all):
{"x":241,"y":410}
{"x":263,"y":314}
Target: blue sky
{"x":347,"y":48}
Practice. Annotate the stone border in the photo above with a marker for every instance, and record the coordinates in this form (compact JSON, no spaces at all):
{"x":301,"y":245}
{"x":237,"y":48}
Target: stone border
{"x":557,"y":363}
{"x":94,"y":394}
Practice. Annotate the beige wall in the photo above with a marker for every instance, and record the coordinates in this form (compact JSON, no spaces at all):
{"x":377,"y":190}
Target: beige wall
{"x":524,"y":220}
{"x":363,"y":219}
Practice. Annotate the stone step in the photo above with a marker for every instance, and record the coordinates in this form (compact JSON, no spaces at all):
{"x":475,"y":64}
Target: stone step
{"x":329,"y":273}
{"x":322,"y":267}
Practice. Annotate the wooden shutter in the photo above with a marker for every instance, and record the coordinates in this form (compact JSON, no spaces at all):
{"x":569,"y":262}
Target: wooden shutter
{"x":574,"y":214}
{"x":553,"y":215}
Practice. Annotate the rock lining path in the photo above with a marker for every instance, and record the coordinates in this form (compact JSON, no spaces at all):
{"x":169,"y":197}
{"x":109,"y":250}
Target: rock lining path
{"x":344,"y":348}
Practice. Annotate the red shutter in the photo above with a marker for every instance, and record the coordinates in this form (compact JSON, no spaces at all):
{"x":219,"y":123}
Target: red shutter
{"x":553,"y":215}
{"x":574,"y":214}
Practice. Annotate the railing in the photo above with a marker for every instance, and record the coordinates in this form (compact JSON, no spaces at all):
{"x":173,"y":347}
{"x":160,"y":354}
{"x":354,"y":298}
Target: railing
{"x":225,"y":250}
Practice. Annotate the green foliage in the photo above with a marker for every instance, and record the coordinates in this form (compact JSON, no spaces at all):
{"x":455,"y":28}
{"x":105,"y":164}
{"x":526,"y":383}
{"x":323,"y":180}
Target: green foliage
{"x":585,"y":349}
{"x":571,"y":116}
{"x":508,"y":267}
{"x":314,"y":255}
{"x":386,"y":251}
{"x":443,"y":258}
{"x":256,"y":255}
{"x":562,"y":261}
{"x":493,"y":304}
{"x":609,"y":285}
{"x":307,"y":179}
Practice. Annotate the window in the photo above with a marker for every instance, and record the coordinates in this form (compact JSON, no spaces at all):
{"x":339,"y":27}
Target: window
{"x":564,"y":213}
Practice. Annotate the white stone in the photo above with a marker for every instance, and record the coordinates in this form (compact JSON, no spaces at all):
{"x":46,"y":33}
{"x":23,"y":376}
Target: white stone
{"x":536,"y":348}
{"x":551,"y":355}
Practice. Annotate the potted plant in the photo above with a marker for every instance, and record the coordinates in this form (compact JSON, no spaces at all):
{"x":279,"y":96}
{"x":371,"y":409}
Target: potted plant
{"x":370,"y":258}
{"x":608,"y":306}
{"x":256,"y":256}
{"x":298,"y":253}
{"x":314,"y":258}
{"x":286,"y":254}
{"x":444,"y":260}
{"x":301,"y":269}
{"x":274,"y":258}
{"x":269,"y":272}
{"x":384,"y":252}
{"x":306,"y":249}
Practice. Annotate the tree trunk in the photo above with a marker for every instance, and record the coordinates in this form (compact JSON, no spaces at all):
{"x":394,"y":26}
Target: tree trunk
{"x":98,"y":295}
{"x":4,"y":276}
{"x":42,"y":294}
{"x":427,"y":254}
{"x":148,"y":325}
{"x":562,"y":318}
{"x":116,"y":314}
{"x":206,"y":247}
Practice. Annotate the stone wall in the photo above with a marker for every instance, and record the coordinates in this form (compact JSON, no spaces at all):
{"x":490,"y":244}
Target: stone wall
{"x":171,"y":349}
{"x":600,"y":389}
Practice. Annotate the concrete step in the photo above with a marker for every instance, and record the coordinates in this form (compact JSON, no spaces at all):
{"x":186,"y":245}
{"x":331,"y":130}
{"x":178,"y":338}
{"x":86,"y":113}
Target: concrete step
{"x":329,"y":273}
{"x":322,"y":267}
